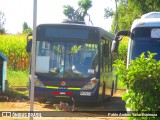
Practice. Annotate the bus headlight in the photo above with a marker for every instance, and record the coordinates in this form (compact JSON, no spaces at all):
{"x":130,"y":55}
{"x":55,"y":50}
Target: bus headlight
{"x":93,"y":82}
{"x":38,"y":83}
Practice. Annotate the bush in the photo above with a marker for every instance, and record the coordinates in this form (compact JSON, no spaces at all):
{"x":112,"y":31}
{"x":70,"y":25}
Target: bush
{"x":2,"y":31}
{"x":143,"y":81}
{"x":122,"y":49}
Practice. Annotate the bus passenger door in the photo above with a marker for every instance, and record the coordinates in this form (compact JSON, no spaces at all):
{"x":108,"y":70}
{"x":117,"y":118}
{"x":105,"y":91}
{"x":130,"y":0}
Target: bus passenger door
{"x":106,"y":75}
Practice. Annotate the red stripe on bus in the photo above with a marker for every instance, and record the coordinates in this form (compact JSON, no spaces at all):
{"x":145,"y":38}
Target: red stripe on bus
{"x":69,"y":93}
{"x":56,"y":93}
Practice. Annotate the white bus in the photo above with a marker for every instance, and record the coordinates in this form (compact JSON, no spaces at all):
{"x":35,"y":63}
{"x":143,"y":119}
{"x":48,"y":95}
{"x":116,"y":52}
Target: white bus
{"x":144,"y":36}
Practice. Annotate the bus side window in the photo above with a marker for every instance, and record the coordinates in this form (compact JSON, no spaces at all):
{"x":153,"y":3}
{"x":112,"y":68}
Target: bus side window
{"x":106,"y":57}
{"x":101,"y":57}
{"x":43,"y":48}
{"x":110,"y":57}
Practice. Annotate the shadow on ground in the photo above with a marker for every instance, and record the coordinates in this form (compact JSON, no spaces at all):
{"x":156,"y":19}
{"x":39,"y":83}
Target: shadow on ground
{"x":112,"y":104}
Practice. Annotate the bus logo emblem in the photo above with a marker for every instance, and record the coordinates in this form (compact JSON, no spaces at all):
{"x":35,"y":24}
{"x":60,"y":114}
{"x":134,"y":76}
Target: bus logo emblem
{"x":63,"y":83}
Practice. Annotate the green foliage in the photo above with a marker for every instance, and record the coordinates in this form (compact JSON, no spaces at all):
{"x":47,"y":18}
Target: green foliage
{"x":128,"y":11}
{"x":17,"y":94}
{"x":26,"y":29}
{"x":108,"y":12}
{"x":12,"y":44}
{"x":80,"y":13}
{"x":68,"y":11}
{"x":17,"y":78}
{"x":25,"y":26}
{"x":2,"y":31}
{"x":122,"y":49}
{"x":143,"y":81}
{"x":85,"y":4}
{"x":14,"y":48}
{"x":145,"y":6}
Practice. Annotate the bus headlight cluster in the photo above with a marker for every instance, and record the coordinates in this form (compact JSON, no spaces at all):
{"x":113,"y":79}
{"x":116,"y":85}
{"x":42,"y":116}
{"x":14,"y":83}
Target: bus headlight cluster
{"x":93,"y":82}
{"x":38,"y":83}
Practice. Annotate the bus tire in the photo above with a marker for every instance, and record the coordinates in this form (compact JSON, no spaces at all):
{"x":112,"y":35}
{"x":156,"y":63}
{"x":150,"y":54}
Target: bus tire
{"x":112,"y":89}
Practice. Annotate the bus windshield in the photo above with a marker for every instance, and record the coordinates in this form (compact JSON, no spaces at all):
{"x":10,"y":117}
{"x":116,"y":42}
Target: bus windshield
{"x":66,"y":59}
{"x":145,"y":39}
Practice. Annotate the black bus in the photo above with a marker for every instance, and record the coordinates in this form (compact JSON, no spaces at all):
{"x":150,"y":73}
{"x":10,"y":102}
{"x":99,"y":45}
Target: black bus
{"x":73,"y":61}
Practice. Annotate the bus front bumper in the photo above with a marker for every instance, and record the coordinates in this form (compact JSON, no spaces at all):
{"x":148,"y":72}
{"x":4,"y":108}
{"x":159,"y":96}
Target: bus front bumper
{"x":78,"y":95}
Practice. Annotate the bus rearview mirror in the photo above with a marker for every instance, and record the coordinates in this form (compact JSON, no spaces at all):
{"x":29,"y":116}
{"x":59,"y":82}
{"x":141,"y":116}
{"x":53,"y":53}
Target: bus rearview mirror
{"x":29,"y":44}
{"x":114,"y":47}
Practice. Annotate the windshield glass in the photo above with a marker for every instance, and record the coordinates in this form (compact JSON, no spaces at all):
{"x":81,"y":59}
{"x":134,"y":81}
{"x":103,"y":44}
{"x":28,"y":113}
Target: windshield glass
{"x":145,"y":39}
{"x":66,"y":60}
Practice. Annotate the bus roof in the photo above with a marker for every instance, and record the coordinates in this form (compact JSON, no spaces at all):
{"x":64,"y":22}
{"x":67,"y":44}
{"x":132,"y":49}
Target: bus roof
{"x":103,"y":33}
{"x":151,"y":19}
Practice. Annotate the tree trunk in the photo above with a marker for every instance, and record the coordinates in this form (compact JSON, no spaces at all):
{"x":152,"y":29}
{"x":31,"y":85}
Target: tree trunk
{"x":116,"y":14}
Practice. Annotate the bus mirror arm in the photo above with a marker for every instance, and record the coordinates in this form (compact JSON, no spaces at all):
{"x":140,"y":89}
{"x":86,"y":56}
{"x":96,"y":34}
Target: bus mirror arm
{"x":119,"y":36}
{"x":123,"y":33}
{"x":29,"y":44}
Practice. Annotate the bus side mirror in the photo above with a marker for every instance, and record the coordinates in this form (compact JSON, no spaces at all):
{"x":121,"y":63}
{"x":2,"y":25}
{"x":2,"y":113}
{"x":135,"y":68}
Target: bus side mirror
{"x":105,"y":50}
{"x":114,"y":47}
{"x":29,"y":44}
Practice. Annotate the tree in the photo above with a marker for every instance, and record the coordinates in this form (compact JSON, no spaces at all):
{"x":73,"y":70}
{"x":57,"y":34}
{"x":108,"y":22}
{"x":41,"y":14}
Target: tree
{"x":2,"y":22}
{"x":80,"y":13}
{"x":26,"y":28}
{"x":129,"y":10}
{"x":69,"y":12}
{"x":145,"y":6}
{"x":85,"y":5}
{"x":110,"y":13}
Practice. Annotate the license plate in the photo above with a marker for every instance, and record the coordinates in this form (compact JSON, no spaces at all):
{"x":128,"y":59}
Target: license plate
{"x":62,"y":93}
{"x":85,"y":93}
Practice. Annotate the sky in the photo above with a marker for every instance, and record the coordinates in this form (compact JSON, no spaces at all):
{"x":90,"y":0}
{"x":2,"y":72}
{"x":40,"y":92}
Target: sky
{"x":49,"y":11}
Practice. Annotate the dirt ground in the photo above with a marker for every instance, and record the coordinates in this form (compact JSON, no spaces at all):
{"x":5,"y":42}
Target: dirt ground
{"x":25,"y":106}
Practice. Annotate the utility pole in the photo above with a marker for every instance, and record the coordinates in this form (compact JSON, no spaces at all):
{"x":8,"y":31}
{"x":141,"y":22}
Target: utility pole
{"x":33,"y":57}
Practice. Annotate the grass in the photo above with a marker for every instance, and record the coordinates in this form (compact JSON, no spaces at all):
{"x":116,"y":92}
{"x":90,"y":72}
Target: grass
{"x":17,"y":78}
{"x":17,"y":94}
